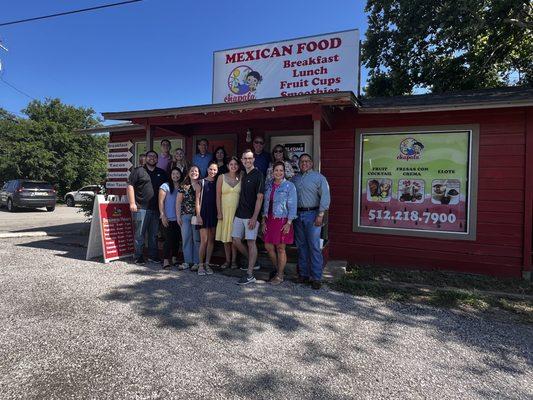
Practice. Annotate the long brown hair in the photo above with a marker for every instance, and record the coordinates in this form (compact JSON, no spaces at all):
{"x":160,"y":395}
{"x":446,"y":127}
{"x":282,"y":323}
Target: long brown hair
{"x":187,"y":180}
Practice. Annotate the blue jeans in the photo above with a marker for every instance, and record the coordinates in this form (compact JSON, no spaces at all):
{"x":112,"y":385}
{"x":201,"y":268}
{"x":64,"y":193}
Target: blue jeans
{"x":146,"y":222}
{"x":307,"y":237}
{"x":190,"y":237}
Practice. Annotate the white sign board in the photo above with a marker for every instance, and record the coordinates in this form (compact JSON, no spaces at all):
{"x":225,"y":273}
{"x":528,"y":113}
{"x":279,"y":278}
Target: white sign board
{"x":112,"y":234}
{"x":119,"y":155}
{"x":118,"y":174}
{"x":116,"y":185}
{"x":119,"y":145}
{"x":311,"y":65}
{"x":119,"y":164}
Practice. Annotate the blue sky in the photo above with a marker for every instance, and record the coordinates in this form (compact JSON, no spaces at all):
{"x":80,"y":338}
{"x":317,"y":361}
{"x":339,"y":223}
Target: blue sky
{"x":152,"y":54}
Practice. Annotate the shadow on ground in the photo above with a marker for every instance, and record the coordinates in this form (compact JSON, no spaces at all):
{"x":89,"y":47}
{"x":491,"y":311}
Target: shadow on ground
{"x":66,"y":245}
{"x":183,"y":301}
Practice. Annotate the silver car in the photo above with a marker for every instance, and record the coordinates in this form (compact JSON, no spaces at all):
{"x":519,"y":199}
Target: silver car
{"x":84,"y":195}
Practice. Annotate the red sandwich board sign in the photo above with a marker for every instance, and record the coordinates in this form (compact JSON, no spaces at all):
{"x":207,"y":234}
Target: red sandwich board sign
{"x":112,"y":232}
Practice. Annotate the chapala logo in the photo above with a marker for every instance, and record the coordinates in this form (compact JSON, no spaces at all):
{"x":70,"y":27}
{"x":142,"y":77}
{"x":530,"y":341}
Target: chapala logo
{"x":242,"y":83}
{"x":117,"y":212}
{"x":410,"y":149}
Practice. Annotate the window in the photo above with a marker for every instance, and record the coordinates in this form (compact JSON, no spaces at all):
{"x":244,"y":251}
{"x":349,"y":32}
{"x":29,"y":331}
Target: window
{"x":36,"y":185}
{"x":140,"y":147}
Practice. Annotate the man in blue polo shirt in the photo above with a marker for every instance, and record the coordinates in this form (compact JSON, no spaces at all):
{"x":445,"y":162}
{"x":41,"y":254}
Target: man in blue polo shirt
{"x":202,"y":158}
{"x":262,"y":158}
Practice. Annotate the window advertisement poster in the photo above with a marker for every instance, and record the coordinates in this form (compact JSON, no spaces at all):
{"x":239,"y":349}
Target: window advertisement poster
{"x":294,"y":146}
{"x":415,"y":181}
{"x":312,"y":65}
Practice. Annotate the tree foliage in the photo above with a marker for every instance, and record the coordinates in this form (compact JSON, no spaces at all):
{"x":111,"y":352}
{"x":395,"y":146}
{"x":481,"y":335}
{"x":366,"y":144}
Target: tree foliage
{"x":44,"y":146}
{"x":445,"y":45}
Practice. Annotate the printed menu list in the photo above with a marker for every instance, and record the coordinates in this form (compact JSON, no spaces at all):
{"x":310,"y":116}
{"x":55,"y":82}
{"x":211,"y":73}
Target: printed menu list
{"x":117,"y":230}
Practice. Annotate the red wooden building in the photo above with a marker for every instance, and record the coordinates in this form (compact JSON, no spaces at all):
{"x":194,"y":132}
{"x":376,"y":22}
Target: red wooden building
{"x":496,"y":237}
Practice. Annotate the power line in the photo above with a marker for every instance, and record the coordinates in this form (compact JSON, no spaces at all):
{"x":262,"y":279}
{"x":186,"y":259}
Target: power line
{"x":15,"y":88}
{"x":20,"y":21}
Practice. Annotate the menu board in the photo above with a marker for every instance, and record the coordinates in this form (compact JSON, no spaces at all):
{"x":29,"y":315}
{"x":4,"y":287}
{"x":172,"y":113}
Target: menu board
{"x":415,"y":181}
{"x":117,"y":230}
{"x":111,"y":235}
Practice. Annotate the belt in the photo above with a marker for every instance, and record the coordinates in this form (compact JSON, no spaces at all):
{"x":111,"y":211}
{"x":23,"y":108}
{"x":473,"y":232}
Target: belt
{"x":307,"y":209}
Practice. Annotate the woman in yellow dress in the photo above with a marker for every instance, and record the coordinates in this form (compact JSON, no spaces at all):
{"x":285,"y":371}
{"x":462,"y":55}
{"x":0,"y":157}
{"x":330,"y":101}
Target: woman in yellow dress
{"x":228,"y":191}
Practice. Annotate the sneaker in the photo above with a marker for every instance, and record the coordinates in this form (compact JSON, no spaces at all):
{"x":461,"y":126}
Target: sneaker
{"x":183,"y":266}
{"x":316,"y":285}
{"x":194,"y":267}
{"x":208,"y":270}
{"x":155,"y":260}
{"x":139,"y":260}
{"x":201,"y":270}
{"x":245,"y":280}
{"x":167,"y":267}
{"x":303,"y":279}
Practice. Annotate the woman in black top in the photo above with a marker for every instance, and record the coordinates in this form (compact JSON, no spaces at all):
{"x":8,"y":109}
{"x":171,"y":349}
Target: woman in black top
{"x":220,"y":158}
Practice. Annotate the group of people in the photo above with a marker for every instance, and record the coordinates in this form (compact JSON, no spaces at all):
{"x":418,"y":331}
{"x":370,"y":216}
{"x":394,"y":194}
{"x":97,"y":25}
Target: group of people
{"x":220,"y":198}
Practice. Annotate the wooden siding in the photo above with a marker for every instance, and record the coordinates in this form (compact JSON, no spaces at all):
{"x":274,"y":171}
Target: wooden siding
{"x":498,"y":248}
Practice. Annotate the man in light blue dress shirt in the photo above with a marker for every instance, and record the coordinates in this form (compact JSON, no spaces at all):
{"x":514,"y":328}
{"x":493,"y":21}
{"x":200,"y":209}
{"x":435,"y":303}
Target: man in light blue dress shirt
{"x":313,"y":201}
{"x":202,"y":158}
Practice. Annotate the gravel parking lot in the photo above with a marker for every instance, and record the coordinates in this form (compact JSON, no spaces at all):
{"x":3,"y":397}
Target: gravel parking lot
{"x":77,"y":329}
{"x":63,"y":219}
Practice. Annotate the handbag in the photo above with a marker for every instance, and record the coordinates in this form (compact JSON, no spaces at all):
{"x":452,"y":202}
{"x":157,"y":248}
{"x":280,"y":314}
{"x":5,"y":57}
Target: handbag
{"x":194,"y":219}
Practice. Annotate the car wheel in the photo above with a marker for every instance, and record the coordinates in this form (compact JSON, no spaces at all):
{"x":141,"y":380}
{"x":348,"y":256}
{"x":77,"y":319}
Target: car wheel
{"x":50,"y":209}
{"x":10,"y":206}
{"x":70,"y":201}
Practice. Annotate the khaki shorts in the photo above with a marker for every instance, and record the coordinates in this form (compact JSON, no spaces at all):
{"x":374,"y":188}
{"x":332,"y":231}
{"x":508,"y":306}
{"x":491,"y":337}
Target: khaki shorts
{"x":240,"y":229}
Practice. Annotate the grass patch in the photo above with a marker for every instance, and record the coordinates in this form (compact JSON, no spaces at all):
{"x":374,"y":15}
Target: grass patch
{"x":376,"y":284}
{"x":441,"y":279}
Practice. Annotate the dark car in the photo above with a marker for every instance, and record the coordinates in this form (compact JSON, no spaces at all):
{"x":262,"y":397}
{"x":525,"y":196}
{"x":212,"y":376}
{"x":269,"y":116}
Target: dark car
{"x":28,"y":194}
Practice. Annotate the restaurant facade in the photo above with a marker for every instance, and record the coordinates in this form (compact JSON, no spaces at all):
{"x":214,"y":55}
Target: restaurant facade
{"x":425,"y":181}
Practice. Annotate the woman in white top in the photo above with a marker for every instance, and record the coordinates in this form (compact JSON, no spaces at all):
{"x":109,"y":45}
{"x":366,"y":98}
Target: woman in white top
{"x":280,"y":154}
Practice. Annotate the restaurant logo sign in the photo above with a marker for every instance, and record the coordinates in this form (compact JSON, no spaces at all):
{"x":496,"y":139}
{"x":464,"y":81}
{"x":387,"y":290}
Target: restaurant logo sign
{"x":410,"y":149}
{"x":312,"y":65}
{"x":242,"y":83}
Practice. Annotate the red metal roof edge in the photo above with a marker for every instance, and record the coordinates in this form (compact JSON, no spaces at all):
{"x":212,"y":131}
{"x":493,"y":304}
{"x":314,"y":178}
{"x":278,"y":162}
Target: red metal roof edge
{"x":336,"y":98}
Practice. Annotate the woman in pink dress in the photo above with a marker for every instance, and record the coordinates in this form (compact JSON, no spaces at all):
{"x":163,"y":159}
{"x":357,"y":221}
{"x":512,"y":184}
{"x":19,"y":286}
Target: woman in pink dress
{"x":279,"y":210}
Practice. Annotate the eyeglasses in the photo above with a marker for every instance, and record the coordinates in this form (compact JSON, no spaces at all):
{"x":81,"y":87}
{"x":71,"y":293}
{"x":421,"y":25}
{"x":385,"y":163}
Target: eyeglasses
{"x":258,"y":142}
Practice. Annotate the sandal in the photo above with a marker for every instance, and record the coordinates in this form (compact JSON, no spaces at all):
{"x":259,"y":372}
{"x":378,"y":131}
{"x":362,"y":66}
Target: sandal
{"x":168,"y":266}
{"x":225,"y":265}
{"x":277,"y":280}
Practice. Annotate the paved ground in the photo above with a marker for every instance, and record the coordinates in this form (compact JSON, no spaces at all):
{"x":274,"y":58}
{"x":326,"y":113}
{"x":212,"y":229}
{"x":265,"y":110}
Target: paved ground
{"x":76,"y":329}
{"x":62,"y":219}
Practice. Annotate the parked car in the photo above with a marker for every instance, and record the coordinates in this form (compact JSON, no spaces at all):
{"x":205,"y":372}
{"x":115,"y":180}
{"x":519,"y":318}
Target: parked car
{"x":84,"y":195}
{"x":28,"y":194}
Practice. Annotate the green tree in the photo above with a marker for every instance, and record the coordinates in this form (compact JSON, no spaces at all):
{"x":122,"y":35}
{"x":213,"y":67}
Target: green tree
{"x":445,"y":45}
{"x":45,"y":145}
